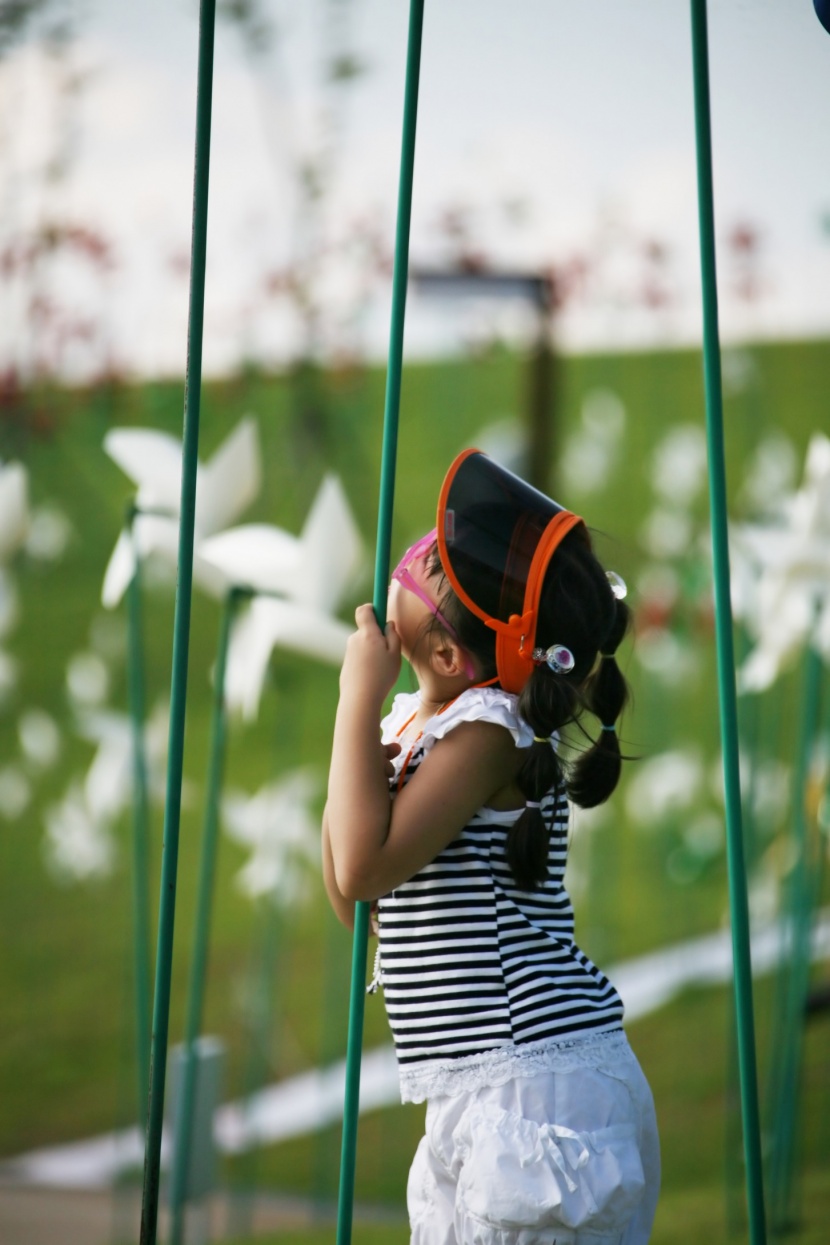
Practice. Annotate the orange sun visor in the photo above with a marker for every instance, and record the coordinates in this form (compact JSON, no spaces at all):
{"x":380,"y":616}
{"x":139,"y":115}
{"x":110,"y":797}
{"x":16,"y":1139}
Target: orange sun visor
{"x":496,"y":537}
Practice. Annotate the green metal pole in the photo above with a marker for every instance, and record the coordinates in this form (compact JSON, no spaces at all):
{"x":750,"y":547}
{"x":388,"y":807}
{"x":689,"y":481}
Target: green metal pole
{"x":204,"y":900}
{"x":795,"y":964}
{"x":723,"y":625}
{"x":384,"y":541}
{"x":399,"y":286}
{"x":749,"y":733}
{"x":181,"y":629}
{"x":334,"y":999}
{"x":141,"y":855}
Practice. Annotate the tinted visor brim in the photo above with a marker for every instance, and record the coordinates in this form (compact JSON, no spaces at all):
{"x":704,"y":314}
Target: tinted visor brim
{"x":490,"y":524}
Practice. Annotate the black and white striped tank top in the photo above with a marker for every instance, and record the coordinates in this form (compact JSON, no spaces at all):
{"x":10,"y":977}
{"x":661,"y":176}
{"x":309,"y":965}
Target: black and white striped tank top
{"x":470,"y":963}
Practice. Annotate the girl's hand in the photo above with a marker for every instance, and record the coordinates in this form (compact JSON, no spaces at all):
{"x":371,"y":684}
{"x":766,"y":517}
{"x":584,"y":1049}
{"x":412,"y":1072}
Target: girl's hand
{"x":373,"y":659}
{"x":389,"y":751}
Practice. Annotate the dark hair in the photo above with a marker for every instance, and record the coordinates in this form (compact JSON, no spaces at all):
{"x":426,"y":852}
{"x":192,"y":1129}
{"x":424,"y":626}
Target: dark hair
{"x":579,"y":610}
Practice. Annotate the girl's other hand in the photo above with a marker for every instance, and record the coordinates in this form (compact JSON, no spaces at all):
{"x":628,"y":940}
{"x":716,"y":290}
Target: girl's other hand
{"x":373,"y":659}
{"x":389,"y":752}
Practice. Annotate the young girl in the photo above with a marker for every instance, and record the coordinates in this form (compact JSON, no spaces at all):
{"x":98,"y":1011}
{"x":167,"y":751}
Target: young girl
{"x":540,"y":1125}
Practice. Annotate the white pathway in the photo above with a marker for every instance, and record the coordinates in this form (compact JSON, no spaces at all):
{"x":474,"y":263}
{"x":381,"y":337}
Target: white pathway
{"x":308,"y":1102}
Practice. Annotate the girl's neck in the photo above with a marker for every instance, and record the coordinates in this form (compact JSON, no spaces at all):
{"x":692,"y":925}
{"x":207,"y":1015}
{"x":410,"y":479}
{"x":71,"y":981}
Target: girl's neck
{"x":436,"y":692}
{"x":429,"y":708}
{"x":437,"y":683}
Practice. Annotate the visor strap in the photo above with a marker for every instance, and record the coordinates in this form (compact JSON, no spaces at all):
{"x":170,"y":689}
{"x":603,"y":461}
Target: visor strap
{"x":549,"y":542}
{"x":515,"y":667}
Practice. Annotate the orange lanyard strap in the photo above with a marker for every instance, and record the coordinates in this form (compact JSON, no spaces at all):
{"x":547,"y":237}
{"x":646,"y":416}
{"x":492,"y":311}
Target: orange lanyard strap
{"x":418,"y":737}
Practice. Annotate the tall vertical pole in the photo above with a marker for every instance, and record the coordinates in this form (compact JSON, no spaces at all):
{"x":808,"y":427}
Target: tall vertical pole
{"x":739,"y":905}
{"x":384,"y":541}
{"x":141,"y":862}
{"x":802,"y":894}
{"x":204,"y":903}
{"x":181,"y":628}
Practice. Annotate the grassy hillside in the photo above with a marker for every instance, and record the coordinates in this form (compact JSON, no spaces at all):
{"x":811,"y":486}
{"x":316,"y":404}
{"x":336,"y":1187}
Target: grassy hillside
{"x":66,"y":1041}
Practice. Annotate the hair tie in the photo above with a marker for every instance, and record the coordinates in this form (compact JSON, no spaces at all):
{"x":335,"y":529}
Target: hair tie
{"x":541,"y":739}
{"x":557,"y":658}
{"x":608,"y":656}
{"x":612,"y":727}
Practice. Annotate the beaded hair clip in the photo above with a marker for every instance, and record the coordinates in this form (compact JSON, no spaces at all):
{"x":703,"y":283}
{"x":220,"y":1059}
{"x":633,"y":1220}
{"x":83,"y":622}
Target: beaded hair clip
{"x":557,"y":658}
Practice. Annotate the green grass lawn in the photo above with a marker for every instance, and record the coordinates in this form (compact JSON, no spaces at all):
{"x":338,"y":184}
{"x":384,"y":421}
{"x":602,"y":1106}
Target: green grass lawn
{"x":66,"y":1037}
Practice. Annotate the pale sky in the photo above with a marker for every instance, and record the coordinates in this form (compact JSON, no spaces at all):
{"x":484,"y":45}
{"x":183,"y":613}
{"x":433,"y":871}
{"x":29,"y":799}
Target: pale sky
{"x":564,"y":128}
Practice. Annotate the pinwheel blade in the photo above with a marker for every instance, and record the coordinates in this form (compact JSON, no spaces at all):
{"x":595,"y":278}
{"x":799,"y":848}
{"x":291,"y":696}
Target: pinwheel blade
{"x":277,"y":824}
{"x":269,"y":623}
{"x":256,"y":556}
{"x":151,"y":535}
{"x":231,"y":480}
{"x":119,"y":572}
{"x":108,"y":782}
{"x":153,"y":461}
{"x":332,"y":549}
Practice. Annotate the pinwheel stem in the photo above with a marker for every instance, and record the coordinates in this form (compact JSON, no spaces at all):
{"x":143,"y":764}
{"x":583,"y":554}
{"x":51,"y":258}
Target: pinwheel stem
{"x":141,"y":862}
{"x":201,"y":936}
{"x":181,"y":628}
{"x":384,"y":541}
{"x":739,"y":905}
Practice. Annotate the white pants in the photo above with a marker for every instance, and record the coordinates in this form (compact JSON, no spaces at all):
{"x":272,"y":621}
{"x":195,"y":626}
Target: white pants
{"x":558,"y":1158}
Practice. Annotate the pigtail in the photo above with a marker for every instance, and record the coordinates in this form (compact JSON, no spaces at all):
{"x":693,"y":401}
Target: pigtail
{"x":580,"y":612}
{"x":528,"y":842}
{"x":545,"y":703}
{"x":596,"y":772}
{"x":554,"y":699}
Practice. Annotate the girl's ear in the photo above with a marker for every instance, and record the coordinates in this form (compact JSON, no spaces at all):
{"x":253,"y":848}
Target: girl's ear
{"x":448,"y":658}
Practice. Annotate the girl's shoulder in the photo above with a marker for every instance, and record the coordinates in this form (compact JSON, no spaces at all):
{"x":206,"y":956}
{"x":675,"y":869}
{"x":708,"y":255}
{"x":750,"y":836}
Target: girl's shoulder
{"x":476,"y":704}
{"x":483,"y":704}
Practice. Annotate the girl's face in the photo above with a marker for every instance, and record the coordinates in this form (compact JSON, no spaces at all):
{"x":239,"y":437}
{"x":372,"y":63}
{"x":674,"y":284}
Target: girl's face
{"x":413,"y":600}
{"x":410,"y":616}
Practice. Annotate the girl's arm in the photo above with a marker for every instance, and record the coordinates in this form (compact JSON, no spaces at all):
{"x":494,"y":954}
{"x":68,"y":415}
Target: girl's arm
{"x":359,"y":804}
{"x":375,"y":843}
{"x":343,"y":908}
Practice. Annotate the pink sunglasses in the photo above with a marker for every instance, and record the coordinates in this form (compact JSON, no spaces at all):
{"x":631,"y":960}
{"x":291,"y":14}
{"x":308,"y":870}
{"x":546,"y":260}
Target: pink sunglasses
{"x":416,"y":557}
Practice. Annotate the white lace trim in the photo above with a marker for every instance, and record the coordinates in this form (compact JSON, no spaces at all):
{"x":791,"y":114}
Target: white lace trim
{"x":476,"y":704}
{"x":450,"y":1077}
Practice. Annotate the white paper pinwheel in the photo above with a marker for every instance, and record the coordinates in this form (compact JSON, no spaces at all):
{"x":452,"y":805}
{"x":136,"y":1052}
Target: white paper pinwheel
{"x":108,"y":783}
{"x":225,"y":485}
{"x":78,"y":845}
{"x":108,"y":786}
{"x":781,"y":575}
{"x":40,"y":738}
{"x":282,"y":833}
{"x":664,"y":786}
{"x":304,"y":580}
{"x":79,"y":841}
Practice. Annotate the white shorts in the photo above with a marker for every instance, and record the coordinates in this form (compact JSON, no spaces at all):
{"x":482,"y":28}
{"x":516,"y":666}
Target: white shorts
{"x":559,"y":1158}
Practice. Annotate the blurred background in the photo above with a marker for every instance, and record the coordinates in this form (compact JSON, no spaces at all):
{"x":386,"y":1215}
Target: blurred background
{"x":554,"y":320}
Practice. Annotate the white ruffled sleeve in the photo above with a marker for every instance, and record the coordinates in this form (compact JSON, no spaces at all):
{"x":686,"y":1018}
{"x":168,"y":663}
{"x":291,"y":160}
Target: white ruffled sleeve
{"x":480,"y":704}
